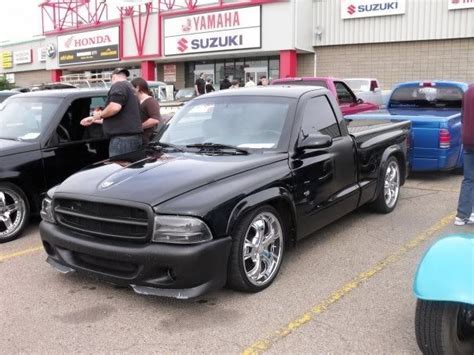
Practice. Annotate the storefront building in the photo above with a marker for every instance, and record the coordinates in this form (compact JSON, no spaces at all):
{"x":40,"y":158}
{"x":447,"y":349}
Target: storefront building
{"x":176,"y":41}
{"x":395,"y":40}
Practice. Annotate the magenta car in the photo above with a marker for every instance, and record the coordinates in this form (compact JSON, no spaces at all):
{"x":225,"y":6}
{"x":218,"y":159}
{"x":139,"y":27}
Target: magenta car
{"x":348,"y":101}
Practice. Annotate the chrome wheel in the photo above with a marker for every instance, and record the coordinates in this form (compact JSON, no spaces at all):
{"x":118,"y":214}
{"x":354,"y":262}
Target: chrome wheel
{"x":12,"y":212}
{"x":392,"y":184}
{"x":262,"y":248}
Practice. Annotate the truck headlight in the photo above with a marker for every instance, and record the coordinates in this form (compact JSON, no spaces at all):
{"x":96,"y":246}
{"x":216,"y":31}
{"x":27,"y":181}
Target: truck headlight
{"x":180,"y":230}
{"x":47,"y":213}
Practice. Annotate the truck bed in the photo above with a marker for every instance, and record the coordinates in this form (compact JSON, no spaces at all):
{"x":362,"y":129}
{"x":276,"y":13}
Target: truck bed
{"x":363,"y":127}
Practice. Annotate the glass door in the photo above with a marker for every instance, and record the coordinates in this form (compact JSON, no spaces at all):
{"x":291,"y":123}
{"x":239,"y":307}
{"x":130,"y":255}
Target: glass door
{"x":255,"y":74}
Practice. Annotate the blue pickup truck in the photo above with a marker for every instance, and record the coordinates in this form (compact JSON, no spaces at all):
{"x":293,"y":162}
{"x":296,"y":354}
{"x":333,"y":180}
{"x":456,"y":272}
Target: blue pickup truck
{"x":434,"y":109}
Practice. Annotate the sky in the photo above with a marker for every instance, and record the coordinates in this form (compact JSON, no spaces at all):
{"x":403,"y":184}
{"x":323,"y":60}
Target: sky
{"x":19,"y":19}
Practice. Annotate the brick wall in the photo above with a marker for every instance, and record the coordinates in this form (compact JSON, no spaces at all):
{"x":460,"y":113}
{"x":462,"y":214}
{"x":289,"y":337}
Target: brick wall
{"x":29,"y":78}
{"x":305,"y":65}
{"x":392,"y":63}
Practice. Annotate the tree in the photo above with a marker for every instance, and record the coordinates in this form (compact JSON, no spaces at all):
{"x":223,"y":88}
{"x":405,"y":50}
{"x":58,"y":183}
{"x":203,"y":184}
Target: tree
{"x":4,"y":84}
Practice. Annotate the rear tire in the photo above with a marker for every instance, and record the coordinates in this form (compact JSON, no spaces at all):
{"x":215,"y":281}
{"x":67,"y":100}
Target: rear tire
{"x":440,"y":328}
{"x":258,"y":243}
{"x":14,"y":211}
{"x":388,"y":197}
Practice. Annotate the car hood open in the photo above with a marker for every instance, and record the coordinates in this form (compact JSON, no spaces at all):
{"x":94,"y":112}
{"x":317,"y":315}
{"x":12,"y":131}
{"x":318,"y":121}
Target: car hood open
{"x":157,"y":177}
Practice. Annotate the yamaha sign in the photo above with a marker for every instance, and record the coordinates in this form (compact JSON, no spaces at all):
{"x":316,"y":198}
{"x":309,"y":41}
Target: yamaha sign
{"x":371,"y":8}
{"x":211,"y":32}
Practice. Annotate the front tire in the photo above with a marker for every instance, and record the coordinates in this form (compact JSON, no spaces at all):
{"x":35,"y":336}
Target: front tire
{"x":388,"y":198}
{"x":258,"y":242}
{"x":444,"y":328}
{"x":14,"y":212}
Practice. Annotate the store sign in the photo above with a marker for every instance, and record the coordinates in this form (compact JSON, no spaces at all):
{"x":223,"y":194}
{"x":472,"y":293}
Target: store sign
{"x":42,"y":54}
{"x":371,"y":8}
{"x":460,"y":4}
{"x":88,"y":47}
{"x":7,"y":59}
{"x":23,"y":57}
{"x":215,"y":31}
{"x":169,"y":73}
{"x":10,"y":78}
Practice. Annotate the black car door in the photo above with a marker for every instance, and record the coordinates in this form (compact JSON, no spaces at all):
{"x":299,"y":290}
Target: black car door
{"x":325,"y":178}
{"x":72,"y":146}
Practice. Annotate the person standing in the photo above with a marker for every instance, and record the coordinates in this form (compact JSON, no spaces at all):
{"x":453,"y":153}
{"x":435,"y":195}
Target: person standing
{"x":250,"y":82}
{"x":225,"y":84}
{"x":149,"y":108}
{"x":465,"y":210}
{"x":200,"y":85}
{"x":235,"y":84}
{"x":209,"y":86}
{"x":121,"y":116}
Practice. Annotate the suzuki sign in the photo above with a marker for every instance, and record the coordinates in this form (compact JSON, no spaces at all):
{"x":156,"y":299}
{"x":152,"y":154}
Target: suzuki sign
{"x":371,"y":8}
{"x":88,"y":47}
{"x":215,"y":31}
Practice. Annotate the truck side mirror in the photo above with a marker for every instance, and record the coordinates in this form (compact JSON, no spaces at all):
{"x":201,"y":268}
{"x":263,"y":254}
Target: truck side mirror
{"x":315,"y":141}
{"x":360,"y":101}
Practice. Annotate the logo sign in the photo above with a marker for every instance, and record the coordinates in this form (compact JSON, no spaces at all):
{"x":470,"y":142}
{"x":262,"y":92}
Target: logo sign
{"x":23,"y":57}
{"x":88,"y":47}
{"x":460,"y":4}
{"x":214,"y":31}
{"x":7,"y":59}
{"x":51,"y":51}
{"x":371,"y":8}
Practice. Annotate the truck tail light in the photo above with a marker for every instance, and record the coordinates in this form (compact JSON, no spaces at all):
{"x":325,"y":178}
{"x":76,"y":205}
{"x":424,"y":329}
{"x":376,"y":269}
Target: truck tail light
{"x":444,"y":139}
{"x":427,"y":84}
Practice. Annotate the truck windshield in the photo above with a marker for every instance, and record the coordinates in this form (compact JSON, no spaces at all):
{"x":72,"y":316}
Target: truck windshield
{"x":358,"y":84}
{"x":429,"y":97}
{"x":241,"y":121}
{"x":26,"y":118}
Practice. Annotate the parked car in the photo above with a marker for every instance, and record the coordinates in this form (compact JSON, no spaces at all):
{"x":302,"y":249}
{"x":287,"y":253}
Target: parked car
{"x":444,"y":288}
{"x":235,"y":177}
{"x":42,"y":143}
{"x":5,"y":94}
{"x":348,"y":101}
{"x":434,"y":108}
{"x":369,"y":90}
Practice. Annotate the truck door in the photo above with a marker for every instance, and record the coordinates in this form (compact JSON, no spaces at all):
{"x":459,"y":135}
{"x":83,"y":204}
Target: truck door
{"x":325,"y":178}
{"x":348,"y":101}
{"x":72,"y":146}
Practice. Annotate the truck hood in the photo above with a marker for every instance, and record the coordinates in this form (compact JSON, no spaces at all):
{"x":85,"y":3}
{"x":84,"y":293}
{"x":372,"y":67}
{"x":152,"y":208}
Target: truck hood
{"x":10,"y":147}
{"x":155,"y":177}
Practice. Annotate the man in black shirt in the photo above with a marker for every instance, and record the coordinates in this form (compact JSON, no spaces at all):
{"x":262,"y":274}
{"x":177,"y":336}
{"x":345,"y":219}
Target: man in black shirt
{"x":121,"y":116}
{"x":225,"y":84}
{"x":200,"y":85}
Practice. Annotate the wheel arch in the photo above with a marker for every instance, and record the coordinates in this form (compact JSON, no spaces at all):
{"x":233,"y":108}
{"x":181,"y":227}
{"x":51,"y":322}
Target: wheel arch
{"x":277,"y":197}
{"x":396,"y":152}
{"x":446,"y":271}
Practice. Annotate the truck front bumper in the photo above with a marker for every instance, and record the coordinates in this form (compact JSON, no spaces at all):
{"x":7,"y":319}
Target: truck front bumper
{"x":179,"y":271}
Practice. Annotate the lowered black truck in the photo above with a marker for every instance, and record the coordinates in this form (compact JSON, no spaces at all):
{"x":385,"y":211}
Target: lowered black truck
{"x":234,"y":178}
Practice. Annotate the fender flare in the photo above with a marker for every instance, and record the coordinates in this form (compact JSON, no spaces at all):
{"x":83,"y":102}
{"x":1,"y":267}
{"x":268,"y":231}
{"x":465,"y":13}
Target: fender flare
{"x":269,"y":195}
{"x":446,"y":271}
{"x":394,"y":150}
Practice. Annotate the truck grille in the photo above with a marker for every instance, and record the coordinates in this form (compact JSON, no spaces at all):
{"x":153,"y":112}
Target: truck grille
{"x":103,"y":220}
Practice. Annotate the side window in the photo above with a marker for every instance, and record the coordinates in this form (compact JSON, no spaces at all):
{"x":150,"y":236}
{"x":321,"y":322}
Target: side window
{"x":344,"y":94}
{"x":318,"y":117}
{"x":70,"y":129}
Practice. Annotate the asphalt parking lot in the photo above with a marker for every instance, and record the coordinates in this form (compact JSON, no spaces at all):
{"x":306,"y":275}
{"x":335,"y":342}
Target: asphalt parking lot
{"x":346,"y":289}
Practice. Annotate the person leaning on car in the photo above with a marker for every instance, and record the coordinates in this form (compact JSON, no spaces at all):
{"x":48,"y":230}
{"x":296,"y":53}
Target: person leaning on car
{"x":121,"y":116}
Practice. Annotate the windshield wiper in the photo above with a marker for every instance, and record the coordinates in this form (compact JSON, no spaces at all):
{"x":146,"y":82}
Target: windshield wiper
{"x":217,"y":147}
{"x":165,"y":145}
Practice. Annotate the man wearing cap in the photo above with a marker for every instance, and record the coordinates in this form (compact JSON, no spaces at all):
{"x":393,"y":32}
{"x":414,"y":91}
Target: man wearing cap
{"x":120,"y":117}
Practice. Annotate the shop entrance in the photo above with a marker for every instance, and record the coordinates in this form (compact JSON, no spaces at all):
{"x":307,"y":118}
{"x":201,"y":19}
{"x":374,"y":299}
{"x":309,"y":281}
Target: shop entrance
{"x":255,"y":73}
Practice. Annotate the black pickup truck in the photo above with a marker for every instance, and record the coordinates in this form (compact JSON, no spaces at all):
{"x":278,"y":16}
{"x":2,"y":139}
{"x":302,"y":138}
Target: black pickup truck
{"x":41,"y":144}
{"x":235,"y":178}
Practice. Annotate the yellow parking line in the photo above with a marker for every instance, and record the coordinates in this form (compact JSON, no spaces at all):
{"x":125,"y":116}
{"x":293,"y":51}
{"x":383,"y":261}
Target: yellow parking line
{"x":20,"y":253}
{"x":266,"y":343}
